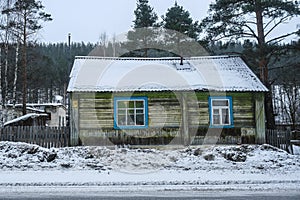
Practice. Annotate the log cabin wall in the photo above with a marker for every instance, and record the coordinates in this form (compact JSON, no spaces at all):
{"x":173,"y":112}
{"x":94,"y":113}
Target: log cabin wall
{"x":172,"y":117}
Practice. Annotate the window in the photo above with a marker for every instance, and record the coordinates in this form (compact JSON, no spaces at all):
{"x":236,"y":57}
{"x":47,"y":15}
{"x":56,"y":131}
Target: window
{"x":130,"y":112}
{"x":221,"y":111}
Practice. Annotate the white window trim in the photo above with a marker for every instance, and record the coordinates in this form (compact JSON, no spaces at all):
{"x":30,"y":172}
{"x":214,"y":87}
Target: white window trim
{"x":230,"y":112}
{"x":131,"y":126}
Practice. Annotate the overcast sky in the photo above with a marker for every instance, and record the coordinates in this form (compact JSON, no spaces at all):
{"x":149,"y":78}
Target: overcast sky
{"x":87,"y":19}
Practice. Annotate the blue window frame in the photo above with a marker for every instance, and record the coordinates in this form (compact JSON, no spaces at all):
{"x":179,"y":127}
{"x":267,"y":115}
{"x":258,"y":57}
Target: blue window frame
{"x":220,"y":112}
{"x":130,"y":112}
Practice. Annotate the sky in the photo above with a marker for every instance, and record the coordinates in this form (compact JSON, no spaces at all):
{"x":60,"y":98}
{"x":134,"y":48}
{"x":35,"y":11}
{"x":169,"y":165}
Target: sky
{"x":87,"y":19}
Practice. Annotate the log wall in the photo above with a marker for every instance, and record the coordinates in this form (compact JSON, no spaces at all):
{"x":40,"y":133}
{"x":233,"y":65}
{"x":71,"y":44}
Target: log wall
{"x":95,"y":117}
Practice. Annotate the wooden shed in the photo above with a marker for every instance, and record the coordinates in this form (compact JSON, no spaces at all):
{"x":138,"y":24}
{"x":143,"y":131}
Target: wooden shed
{"x":56,"y":113}
{"x":159,"y":101}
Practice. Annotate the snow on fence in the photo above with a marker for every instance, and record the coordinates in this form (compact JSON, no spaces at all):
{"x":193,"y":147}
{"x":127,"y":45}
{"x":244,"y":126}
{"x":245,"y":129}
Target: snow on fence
{"x":280,"y":139}
{"x":43,"y":136}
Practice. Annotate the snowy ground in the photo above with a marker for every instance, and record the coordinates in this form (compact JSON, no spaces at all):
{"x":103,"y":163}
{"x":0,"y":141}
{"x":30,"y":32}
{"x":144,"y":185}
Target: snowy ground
{"x":202,"y":168}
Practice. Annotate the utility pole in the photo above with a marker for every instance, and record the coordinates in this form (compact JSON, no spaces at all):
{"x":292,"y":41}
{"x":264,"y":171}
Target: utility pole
{"x":67,"y":97}
{"x":68,"y":69}
{"x":69,"y":44}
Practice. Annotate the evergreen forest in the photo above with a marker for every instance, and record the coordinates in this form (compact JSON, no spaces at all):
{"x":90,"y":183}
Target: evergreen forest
{"x":34,"y":72}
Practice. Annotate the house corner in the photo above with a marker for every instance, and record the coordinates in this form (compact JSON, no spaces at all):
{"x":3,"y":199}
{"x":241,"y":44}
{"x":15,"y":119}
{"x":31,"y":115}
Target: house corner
{"x":260,"y":119}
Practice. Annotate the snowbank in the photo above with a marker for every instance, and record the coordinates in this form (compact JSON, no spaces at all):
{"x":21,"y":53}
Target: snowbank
{"x":244,"y":158}
{"x":196,"y":168}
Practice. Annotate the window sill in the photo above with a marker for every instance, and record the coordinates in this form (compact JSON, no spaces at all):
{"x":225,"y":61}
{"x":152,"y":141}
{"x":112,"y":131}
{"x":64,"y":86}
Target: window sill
{"x":130,"y":127}
{"x":221,"y":126}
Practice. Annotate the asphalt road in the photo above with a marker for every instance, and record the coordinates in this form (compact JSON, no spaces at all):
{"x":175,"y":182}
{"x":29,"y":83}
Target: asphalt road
{"x":216,"y":195}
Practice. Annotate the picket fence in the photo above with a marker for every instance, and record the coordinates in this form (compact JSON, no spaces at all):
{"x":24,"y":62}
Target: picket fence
{"x":280,"y":139}
{"x":60,"y":136}
{"x":41,"y":135}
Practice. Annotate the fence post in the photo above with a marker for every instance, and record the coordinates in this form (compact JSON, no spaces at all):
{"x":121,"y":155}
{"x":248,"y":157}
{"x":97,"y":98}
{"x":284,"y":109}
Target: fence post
{"x":288,"y":142}
{"x":29,"y":130}
{"x":52,"y":142}
{"x":46,"y":135}
{"x":67,"y":136}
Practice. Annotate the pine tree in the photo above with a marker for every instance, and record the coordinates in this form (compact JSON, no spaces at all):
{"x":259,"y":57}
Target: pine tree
{"x":178,"y":19}
{"x":144,"y":15}
{"x":255,"y":20}
{"x":143,"y":35}
{"x":181,"y":32}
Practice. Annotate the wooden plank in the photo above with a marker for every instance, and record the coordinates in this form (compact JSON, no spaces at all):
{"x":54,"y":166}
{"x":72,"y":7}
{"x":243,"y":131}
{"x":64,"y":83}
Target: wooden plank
{"x":94,"y":100}
{"x":63,"y":137}
{"x":57,"y":137}
{"x":95,"y":126}
{"x":7,"y":134}
{"x":52,"y":137}
{"x":46,"y":137}
{"x":96,"y":122}
{"x":97,"y":113}
{"x":26,"y":136}
{"x":10,"y":135}
{"x":4,"y":134}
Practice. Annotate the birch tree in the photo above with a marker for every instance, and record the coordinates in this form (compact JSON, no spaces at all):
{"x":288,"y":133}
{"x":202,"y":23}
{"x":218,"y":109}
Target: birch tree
{"x":29,"y":15}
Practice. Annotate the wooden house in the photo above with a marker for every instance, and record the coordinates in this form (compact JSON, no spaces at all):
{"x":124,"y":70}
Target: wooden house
{"x":56,"y":114}
{"x":158,"y":101}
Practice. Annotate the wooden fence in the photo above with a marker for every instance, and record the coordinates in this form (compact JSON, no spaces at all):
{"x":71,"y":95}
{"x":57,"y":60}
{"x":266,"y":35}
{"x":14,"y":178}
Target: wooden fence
{"x":43,"y":136}
{"x":280,"y":139}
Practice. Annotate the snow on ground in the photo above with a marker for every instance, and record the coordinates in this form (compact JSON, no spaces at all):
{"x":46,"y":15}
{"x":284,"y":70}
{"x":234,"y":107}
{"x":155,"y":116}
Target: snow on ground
{"x":244,"y":167}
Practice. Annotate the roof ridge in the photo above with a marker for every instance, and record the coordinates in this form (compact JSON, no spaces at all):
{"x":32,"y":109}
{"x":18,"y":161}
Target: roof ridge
{"x":154,"y":58}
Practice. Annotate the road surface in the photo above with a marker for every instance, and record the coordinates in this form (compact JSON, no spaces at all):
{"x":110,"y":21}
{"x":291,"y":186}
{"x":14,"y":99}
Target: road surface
{"x":78,"y":193}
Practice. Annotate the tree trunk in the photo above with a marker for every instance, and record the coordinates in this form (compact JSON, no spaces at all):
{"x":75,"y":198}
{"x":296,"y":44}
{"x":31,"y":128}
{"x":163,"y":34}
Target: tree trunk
{"x":6,"y":46}
{"x":1,"y":113}
{"x":263,"y":67}
{"x":5,"y":72}
{"x":1,"y":102}
{"x":2,"y":105}
{"x":16,"y":75}
{"x":24,"y":72}
{"x":270,"y":118}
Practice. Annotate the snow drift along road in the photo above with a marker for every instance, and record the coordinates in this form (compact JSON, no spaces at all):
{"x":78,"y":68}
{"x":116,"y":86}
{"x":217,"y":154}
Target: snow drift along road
{"x":259,"y":167}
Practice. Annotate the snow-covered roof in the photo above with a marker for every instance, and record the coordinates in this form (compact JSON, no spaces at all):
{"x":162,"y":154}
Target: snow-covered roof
{"x":210,"y":73}
{"x":28,"y":105}
{"x":35,"y":109}
{"x":25,"y":117}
